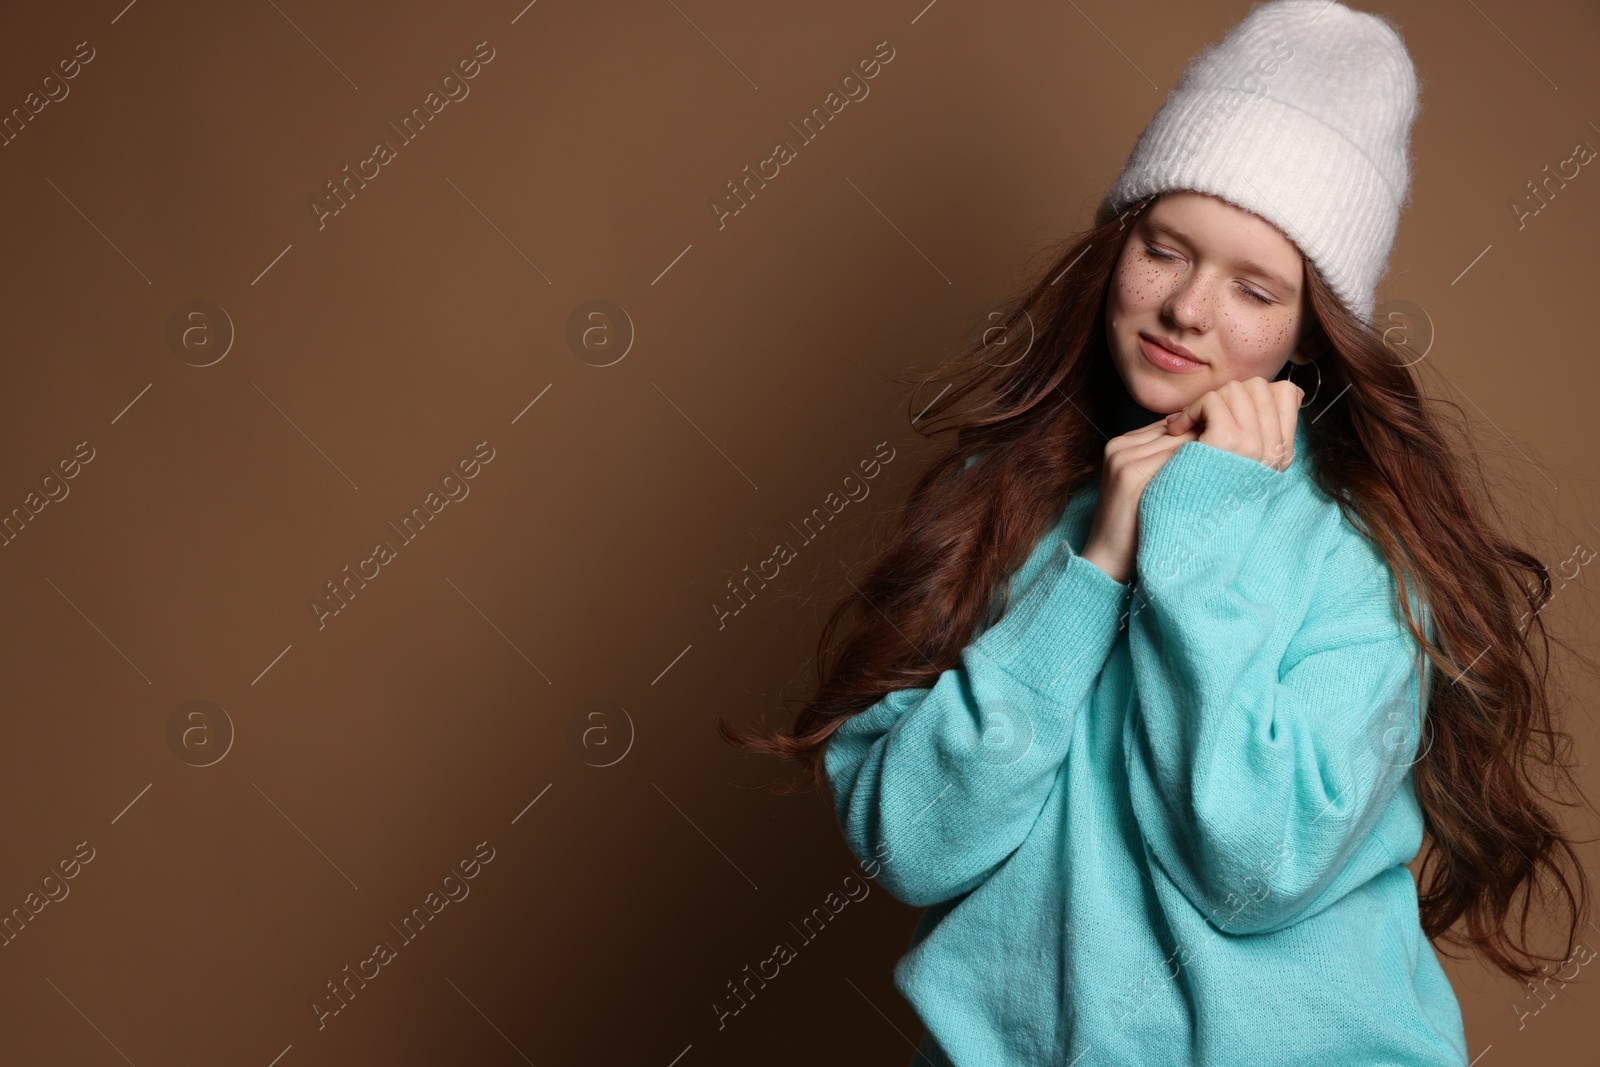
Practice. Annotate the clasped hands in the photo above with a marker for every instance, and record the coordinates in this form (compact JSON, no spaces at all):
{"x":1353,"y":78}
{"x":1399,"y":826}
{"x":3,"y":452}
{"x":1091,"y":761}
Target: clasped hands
{"x":1253,"y":418}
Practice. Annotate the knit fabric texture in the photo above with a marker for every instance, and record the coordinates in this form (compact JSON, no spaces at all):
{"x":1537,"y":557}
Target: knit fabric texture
{"x":1301,"y":114}
{"x":1166,"y":822}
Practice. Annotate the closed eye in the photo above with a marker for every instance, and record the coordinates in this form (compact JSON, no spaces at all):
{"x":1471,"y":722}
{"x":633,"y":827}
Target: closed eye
{"x":1246,"y":290}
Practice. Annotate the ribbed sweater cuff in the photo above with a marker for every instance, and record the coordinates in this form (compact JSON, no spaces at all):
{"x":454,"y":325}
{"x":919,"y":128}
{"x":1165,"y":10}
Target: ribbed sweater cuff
{"x":1060,"y":631}
{"x":1202,"y":509}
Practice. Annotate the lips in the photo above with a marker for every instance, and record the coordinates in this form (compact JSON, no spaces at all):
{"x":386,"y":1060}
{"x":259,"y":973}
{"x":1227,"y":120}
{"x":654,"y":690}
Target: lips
{"x":1163,"y":358}
{"x":1171,"y":346}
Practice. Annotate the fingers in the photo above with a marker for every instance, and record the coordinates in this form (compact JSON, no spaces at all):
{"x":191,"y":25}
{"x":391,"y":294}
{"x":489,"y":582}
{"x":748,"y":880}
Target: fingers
{"x":1142,"y":435}
{"x":1159,"y":443}
{"x":1269,"y":422}
{"x":1149,"y":431}
{"x":1288,"y":414}
{"x":1221,"y":422}
{"x":1138,"y":456}
{"x":1186,"y":419}
{"x":1252,"y":417}
{"x":1244,"y":401}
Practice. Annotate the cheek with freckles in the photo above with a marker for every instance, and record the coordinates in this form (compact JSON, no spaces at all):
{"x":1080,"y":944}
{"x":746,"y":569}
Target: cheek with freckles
{"x":1141,"y":286}
{"x":1255,"y":344}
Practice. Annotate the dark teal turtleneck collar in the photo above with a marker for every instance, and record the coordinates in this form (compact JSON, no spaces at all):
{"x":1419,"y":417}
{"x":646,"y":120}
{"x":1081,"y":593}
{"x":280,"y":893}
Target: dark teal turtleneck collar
{"x":1127,"y":414}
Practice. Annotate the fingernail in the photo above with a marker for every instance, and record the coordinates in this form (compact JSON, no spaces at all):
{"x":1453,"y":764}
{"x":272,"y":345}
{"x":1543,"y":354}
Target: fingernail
{"x":1172,"y":416}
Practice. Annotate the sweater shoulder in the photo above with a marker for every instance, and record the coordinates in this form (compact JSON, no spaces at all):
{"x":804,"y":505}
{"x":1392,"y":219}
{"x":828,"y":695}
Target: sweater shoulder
{"x":1354,"y":594}
{"x":1317,"y":519}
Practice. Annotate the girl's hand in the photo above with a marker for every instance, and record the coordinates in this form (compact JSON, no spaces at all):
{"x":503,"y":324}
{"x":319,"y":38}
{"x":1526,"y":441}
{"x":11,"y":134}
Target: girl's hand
{"x":1130,"y":462}
{"x":1254,"y":418}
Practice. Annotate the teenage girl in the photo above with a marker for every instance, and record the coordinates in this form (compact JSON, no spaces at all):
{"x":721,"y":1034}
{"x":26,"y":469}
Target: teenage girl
{"x":1196,"y":634}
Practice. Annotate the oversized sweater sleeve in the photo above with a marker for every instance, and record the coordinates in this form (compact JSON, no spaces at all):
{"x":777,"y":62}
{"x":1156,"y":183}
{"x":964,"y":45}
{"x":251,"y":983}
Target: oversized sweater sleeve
{"x":1259,"y":763}
{"x":940,"y":784}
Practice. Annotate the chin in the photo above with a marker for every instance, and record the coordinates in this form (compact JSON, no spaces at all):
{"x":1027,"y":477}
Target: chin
{"x":1154,"y":393}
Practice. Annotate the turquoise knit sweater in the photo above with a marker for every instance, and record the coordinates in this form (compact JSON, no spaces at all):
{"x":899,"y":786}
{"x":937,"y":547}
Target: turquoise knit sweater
{"x":1166,"y":823}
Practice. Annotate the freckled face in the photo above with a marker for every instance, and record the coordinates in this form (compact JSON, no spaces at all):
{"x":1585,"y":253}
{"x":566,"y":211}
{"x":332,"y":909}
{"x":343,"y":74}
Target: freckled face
{"x":1199,"y":273}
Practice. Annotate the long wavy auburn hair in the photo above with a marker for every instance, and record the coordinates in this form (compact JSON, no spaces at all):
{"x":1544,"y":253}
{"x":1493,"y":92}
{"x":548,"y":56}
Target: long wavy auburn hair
{"x":1491,"y":756}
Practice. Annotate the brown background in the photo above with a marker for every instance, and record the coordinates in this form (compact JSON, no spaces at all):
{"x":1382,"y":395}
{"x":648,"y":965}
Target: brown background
{"x":368,"y":356}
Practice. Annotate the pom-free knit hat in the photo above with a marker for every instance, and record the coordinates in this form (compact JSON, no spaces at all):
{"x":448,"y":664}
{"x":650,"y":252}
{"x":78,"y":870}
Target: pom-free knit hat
{"x":1302,"y":115}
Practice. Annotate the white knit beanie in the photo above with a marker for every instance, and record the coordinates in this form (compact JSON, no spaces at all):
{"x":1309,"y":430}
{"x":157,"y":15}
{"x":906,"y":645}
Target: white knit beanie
{"x":1302,"y":115}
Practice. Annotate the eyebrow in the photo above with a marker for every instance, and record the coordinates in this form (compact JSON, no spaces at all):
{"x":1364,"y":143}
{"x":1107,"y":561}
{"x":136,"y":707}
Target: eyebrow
{"x":1245,"y":264}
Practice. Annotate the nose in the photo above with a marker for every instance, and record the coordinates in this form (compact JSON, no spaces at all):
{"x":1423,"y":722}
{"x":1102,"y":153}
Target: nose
{"x":1189,"y":305}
